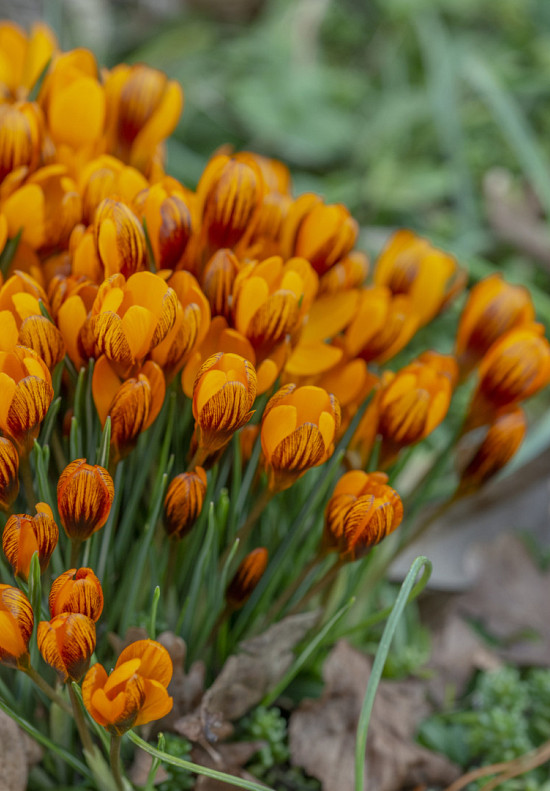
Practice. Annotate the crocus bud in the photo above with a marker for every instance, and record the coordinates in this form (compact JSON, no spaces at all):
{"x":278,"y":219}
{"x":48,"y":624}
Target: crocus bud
{"x":21,"y":131}
{"x":85,"y":494}
{"x":298,"y":430}
{"x":217,"y":281}
{"x":500,"y":441}
{"x":250,"y":571}
{"x":168,"y":220}
{"x":324,"y":234}
{"x":24,"y":535}
{"x":9,"y":473}
{"x":77,"y":591}
{"x":16,"y":625}
{"x":183,"y":502}
{"x":67,"y":643}
{"x":493,"y":308}
{"x":135,"y":693}
{"x":223,"y":395}
{"x":119,"y":238}
{"x":383,"y":324}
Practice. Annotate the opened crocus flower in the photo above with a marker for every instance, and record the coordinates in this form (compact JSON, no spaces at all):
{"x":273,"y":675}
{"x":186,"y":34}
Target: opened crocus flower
{"x":119,"y":239}
{"x":24,"y":535}
{"x":166,"y":213}
{"x":350,"y":272}
{"x":28,"y":56}
{"x":16,"y":625}
{"x":493,"y":308}
{"x":217,"y":281}
{"x":230,"y":193}
{"x":414,"y":402}
{"x":190,"y":326}
{"x":515,"y":368}
{"x":9,"y":473}
{"x":67,"y":643}
{"x":382,"y":325}
{"x":351,"y":382}
{"x":183,"y":502}
{"x":71,"y":302}
{"x":77,"y":590}
{"x":298,"y":430}
{"x":499,"y":442}
{"x":105,"y":177}
{"x":135,"y":692}
{"x":223,"y":395}
{"x":21,"y":133}
{"x":250,"y":571}
{"x":25,"y":395}
{"x":85,"y":493}
{"x":46,"y":208}
{"x":132,"y":404}
{"x":131,"y":317}
{"x":411,"y":265}
{"x":143,"y":109}
{"x":320,"y":233}
{"x":270,"y":298}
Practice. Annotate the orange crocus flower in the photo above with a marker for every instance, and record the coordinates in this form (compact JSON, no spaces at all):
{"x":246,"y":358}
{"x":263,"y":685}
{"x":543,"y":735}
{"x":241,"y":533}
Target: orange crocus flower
{"x":166,"y":211}
{"x":493,"y":308}
{"x":72,"y":299}
{"x":21,"y":133}
{"x":250,"y":571}
{"x":500,"y":442}
{"x":183,"y":502}
{"x":85,"y":493}
{"x":25,"y":395}
{"x":67,"y":643}
{"x":23,"y":58}
{"x":119,"y":239}
{"x":132,"y":404}
{"x":131,"y":317}
{"x":16,"y":625}
{"x":9,"y":473}
{"x":105,"y":177}
{"x":298,"y":430}
{"x":24,"y":535}
{"x":410,"y":265}
{"x":223,"y":395}
{"x":350,"y":272}
{"x":217,"y":281}
{"x":77,"y":591}
{"x":143,"y":108}
{"x":135,"y":692}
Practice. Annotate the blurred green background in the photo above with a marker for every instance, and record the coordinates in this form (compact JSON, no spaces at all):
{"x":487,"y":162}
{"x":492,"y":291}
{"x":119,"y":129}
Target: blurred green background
{"x":433,"y":114}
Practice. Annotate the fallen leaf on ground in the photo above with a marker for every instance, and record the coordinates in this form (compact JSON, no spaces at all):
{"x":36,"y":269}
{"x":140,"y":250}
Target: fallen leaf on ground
{"x":139,"y":771}
{"x":228,"y":758}
{"x":18,"y":753}
{"x":322,"y":732}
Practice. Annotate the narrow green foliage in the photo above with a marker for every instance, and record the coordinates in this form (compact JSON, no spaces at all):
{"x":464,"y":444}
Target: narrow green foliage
{"x":153,"y":619}
{"x":8,"y":253}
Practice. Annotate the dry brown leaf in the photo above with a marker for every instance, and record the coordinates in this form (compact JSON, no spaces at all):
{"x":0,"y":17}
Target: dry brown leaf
{"x":510,"y":600}
{"x":322,"y":732}
{"x":18,"y":753}
{"x":139,"y":771}
{"x":228,"y":758}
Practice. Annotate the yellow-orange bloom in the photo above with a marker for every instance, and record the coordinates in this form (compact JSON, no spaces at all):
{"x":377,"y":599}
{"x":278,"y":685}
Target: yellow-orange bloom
{"x":104,"y":177}
{"x":350,"y":272}
{"x":9,"y":473}
{"x":77,"y":591}
{"x":183,"y":502}
{"x":217,"y":281}
{"x":270,"y":298}
{"x":230,"y":193}
{"x":23,"y":58}
{"x":167,"y":215}
{"x":382,"y":325}
{"x":500,"y":442}
{"x":362,"y":511}
{"x":21,"y":132}
{"x":16,"y":625}
{"x":67,"y":643}
{"x":323,"y":234}
{"x":25,"y":395}
{"x":249,"y":573}
{"x":410,"y":265}
{"x":119,"y":239}
{"x":516,"y":367}
{"x":72,"y":299}
{"x":131,"y":317}
{"x":133,"y":404}
{"x":493,"y":308}
{"x":415,"y":401}
{"x":189,"y":328}
{"x":135,"y":692}
{"x":143,"y":108}
{"x":46,"y":208}
{"x":24,"y":535}
{"x":85,"y":493}
{"x":223,"y":395}
{"x":298,"y":430}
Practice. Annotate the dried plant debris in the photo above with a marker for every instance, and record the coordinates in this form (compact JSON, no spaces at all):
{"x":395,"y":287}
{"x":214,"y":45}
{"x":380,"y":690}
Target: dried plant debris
{"x":322,"y":732}
{"x":18,"y":753}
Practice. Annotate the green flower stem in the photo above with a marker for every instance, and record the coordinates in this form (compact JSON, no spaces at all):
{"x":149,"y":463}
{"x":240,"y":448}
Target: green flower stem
{"x":289,"y":592}
{"x":115,"y":760}
{"x":26,"y":476}
{"x":46,"y":689}
{"x":83,"y":732}
{"x":76,"y":543}
{"x":243,"y":533}
{"x":319,"y":586}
